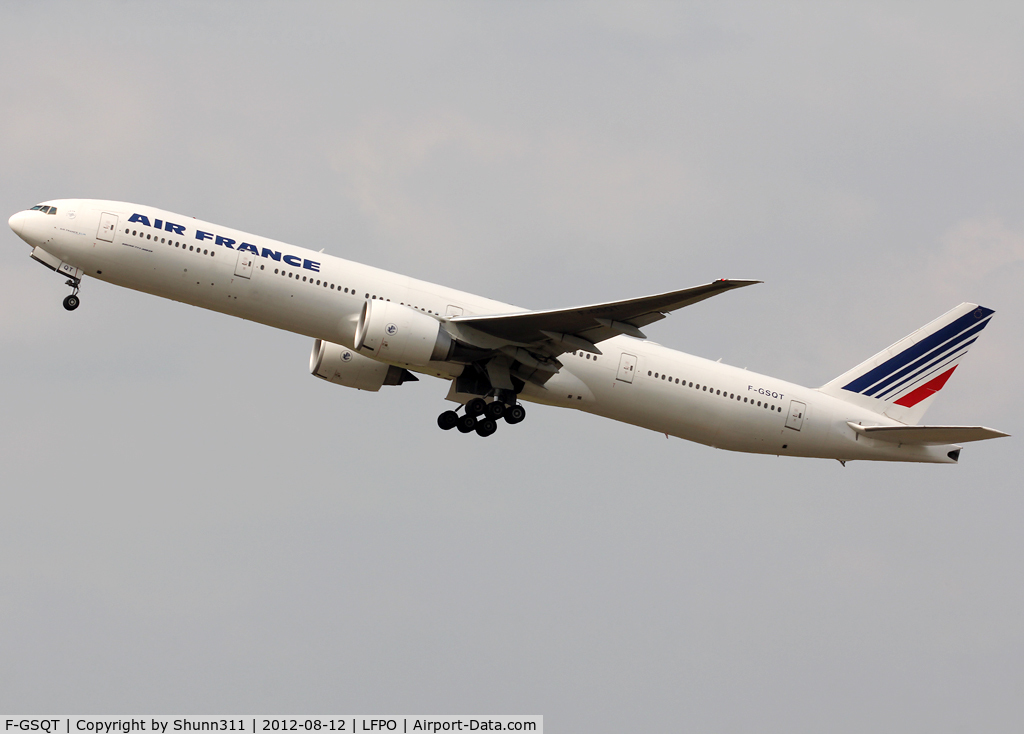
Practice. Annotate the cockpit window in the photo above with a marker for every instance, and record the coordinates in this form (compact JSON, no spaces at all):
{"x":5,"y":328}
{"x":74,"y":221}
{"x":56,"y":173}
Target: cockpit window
{"x":51,"y":210}
{"x":44,"y":209}
{"x":37,"y":207}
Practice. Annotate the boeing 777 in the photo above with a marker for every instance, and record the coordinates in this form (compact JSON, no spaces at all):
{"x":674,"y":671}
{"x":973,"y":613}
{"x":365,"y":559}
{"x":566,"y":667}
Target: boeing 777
{"x":373,"y":328}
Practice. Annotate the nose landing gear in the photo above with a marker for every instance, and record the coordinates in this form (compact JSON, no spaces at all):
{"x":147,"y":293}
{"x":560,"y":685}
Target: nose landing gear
{"x":72,"y":301}
{"x":481,"y":417}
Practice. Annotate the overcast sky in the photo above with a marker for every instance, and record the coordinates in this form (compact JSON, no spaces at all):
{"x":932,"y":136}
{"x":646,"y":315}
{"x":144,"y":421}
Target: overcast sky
{"x":190,"y":523}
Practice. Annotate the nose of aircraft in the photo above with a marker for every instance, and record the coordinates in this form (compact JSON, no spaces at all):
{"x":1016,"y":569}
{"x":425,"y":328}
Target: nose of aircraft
{"x":17,"y":222}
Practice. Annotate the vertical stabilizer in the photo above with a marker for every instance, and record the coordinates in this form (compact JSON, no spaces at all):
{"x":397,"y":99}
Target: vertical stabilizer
{"x":902,"y":381}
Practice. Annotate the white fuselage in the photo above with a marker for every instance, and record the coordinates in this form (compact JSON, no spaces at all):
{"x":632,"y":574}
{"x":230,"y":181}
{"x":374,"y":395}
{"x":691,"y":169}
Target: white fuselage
{"x":321,"y":296}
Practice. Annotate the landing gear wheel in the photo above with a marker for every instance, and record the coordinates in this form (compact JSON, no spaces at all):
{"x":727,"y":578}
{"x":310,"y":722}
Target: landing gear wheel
{"x":486,"y":427}
{"x":515,"y":414}
{"x":496,"y":409}
{"x":447,"y":420}
{"x":476,"y":407}
{"x":466,"y":424}
{"x":71,"y":302}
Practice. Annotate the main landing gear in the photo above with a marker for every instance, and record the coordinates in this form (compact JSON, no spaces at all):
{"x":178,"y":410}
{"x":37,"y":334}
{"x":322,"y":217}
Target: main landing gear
{"x":72,"y":301}
{"x":481,"y":416}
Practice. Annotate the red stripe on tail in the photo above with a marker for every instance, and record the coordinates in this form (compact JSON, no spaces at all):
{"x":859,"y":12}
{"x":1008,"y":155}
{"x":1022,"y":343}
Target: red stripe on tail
{"x":928,"y":389}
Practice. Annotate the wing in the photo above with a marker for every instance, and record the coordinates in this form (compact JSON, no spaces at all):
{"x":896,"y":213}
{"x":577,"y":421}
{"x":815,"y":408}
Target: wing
{"x":928,"y":435}
{"x":582,"y":327}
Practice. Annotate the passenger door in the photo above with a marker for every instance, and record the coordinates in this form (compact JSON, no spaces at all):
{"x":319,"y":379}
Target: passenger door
{"x":627,"y":367}
{"x":108,"y":225}
{"x":795,"y":419}
{"x":243,"y":268}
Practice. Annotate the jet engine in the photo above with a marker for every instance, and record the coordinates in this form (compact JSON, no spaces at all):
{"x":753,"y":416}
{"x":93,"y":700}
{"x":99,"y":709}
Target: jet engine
{"x":396,"y":333}
{"x":343,"y":366}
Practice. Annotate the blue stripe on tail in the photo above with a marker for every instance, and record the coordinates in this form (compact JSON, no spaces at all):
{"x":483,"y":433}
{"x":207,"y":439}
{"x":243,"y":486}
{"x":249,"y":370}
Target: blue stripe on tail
{"x":901,"y":363}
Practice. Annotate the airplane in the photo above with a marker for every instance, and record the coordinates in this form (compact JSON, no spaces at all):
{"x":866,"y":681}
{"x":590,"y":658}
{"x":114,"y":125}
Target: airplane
{"x":373,"y":328}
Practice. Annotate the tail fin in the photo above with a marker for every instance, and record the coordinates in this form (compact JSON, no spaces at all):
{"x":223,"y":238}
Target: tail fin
{"x":901,"y":381}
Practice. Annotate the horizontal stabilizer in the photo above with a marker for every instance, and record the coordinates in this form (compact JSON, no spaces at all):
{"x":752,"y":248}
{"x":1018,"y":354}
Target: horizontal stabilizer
{"x":928,"y":435}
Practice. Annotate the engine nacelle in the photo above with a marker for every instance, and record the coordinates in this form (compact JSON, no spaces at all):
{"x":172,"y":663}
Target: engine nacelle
{"x":343,"y":366}
{"x":395,"y":333}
